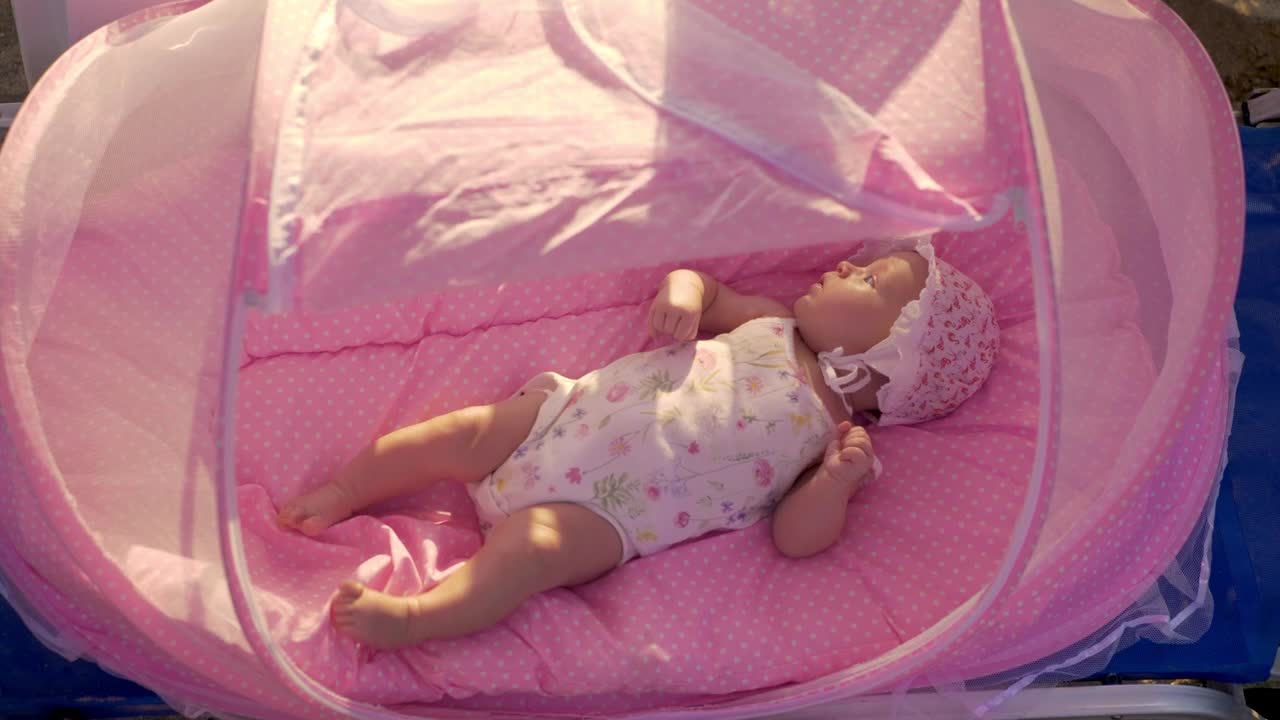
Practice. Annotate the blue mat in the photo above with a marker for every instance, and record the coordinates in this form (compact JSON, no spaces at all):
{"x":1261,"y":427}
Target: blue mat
{"x":37,"y":683}
{"x":1245,"y":581}
{"x":1240,"y":645}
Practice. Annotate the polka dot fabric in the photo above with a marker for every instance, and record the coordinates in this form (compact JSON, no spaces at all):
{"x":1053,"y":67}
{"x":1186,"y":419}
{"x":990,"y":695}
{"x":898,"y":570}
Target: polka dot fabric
{"x":315,"y":388}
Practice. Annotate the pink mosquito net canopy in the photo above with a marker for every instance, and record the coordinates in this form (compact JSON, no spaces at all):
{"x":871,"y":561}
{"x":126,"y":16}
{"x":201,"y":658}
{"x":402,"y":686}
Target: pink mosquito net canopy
{"x":238,"y":240}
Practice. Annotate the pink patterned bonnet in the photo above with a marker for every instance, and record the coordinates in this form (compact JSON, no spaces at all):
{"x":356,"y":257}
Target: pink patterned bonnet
{"x":939,"y":351}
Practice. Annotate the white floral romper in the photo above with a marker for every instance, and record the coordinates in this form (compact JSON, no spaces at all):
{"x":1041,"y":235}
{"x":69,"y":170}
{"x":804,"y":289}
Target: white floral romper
{"x":672,"y":443}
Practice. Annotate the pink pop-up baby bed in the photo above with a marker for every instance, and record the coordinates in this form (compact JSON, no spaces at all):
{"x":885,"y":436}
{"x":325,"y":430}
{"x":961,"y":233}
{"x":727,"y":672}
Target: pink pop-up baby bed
{"x":240,"y":239}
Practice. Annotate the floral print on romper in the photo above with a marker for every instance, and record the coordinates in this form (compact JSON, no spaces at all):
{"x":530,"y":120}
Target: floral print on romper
{"x":672,"y":443}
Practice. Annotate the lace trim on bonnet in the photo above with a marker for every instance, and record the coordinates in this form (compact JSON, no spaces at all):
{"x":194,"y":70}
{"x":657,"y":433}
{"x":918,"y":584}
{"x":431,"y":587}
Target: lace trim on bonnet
{"x":901,"y":355}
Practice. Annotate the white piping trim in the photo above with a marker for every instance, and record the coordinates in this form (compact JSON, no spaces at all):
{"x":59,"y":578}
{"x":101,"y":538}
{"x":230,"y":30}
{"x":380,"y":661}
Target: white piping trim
{"x":283,"y":231}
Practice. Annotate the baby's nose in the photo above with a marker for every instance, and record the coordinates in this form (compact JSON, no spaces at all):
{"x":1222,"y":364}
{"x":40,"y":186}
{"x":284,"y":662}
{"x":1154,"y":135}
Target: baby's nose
{"x":845,"y":268}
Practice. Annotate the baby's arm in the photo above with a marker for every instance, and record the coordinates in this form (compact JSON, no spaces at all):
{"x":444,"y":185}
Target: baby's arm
{"x":689,"y":301}
{"x":811,"y":517}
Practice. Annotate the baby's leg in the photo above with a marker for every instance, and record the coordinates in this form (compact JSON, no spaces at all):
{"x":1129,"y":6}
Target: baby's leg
{"x":534,"y":550}
{"x":464,"y":445}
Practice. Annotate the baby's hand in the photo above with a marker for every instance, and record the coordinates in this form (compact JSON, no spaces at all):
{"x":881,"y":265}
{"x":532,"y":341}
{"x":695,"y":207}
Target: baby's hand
{"x":850,"y":456}
{"x":677,"y":310}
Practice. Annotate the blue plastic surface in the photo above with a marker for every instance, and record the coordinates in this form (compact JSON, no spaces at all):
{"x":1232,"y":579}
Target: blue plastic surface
{"x":1240,"y":645}
{"x":35,"y":682}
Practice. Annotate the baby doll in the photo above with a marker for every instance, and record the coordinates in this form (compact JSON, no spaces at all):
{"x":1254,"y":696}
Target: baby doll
{"x":574,"y":477}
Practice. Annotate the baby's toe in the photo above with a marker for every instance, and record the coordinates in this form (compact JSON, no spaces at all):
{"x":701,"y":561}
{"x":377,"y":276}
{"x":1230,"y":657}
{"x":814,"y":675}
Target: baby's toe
{"x":289,"y":516}
{"x":350,"y":590}
{"x":311,"y":526}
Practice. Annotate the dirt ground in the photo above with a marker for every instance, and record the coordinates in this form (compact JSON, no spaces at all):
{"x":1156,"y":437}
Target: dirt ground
{"x":1243,"y":36}
{"x":12,"y":83}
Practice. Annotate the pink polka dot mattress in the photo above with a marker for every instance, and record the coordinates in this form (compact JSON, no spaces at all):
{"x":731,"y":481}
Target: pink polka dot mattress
{"x":291,"y":227}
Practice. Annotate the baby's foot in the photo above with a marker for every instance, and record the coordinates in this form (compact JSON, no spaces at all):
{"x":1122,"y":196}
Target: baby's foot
{"x":381,"y":621}
{"x":317,"y":510}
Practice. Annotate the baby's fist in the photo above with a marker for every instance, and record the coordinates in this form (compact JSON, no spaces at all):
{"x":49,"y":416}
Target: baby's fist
{"x":677,"y":309}
{"x":850,"y":456}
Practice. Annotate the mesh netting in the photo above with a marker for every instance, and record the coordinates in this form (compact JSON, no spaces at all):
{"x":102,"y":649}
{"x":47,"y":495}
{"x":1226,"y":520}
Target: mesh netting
{"x":437,"y":199}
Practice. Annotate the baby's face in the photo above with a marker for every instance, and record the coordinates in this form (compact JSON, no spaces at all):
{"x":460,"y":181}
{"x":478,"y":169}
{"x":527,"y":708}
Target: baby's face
{"x":855,"y":306}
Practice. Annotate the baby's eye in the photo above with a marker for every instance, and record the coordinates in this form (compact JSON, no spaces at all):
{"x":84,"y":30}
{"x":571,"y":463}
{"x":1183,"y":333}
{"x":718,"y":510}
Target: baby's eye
{"x":870,"y":280}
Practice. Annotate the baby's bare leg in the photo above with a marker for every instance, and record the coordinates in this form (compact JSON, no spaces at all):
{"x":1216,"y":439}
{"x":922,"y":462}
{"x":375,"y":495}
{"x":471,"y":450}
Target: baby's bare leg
{"x":534,"y":550}
{"x":464,"y":445}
